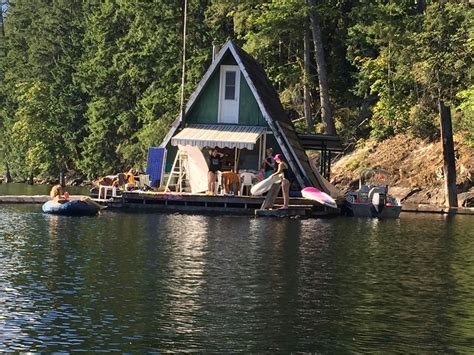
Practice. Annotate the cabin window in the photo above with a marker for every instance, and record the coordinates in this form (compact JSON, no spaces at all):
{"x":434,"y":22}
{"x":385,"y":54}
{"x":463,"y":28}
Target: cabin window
{"x":230,"y":85}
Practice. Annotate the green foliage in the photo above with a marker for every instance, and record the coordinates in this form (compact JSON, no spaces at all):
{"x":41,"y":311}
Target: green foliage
{"x":91,"y":85}
{"x":463,"y":120}
{"x":410,"y":61}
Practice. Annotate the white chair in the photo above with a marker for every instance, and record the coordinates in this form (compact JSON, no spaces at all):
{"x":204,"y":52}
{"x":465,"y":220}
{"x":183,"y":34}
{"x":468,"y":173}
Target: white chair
{"x":103,"y":189}
{"x":246,"y":179}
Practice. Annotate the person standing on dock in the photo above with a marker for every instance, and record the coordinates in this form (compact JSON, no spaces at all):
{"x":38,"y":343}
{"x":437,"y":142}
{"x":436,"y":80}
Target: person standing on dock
{"x":215,"y":163}
{"x":285,"y":184}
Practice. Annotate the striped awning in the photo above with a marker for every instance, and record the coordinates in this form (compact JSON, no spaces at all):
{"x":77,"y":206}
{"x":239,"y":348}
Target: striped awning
{"x":222,"y":136}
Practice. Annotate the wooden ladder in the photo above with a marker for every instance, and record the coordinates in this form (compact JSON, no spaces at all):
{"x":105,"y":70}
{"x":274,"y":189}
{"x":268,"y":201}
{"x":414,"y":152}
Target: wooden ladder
{"x":179,"y":171}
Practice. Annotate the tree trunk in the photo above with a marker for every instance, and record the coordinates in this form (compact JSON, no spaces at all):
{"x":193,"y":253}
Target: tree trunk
{"x":420,"y":6}
{"x":326,"y":113}
{"x":7,"y":176}
{"x":449,"y":165}
{"x":62,"y":178}
{"x":30,"y":180}
{"x":306,"y":90}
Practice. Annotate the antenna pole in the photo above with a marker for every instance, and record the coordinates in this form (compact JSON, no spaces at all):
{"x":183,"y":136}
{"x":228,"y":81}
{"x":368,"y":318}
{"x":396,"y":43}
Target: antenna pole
{"x":184,"y":59}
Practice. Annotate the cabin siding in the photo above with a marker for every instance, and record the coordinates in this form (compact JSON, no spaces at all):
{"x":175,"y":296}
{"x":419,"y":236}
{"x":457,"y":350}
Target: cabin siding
{"x":205,"y":109}
{"x":249,"y":112}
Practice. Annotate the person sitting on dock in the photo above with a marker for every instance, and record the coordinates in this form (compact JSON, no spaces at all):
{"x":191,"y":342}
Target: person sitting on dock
{"x":285,"y":184}
{"x":215,"y":163}
{"x":130,"y":179}
{"x":109,"y":180}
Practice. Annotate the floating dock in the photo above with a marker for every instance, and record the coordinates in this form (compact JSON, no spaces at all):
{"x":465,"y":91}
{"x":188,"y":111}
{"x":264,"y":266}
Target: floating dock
{"x":241,"y":205}
{"x":424,"y":208}
{"x":25,"y":199}
{"x":195,"y":203}
{"x":201,"y":203}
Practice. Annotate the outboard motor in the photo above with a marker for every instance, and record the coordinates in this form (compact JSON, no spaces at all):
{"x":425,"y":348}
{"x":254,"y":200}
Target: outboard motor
{"x":378,"y":200}
{"x":378,"y":197}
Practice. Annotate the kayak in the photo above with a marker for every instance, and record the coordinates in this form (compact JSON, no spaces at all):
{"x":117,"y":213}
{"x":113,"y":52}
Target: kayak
{"x":315,"y":194}
{"x":264,"y":185}
{"x":70,"y":208}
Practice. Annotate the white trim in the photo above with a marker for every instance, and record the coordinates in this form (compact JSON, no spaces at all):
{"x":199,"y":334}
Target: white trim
{"x":196,"y":93}
{"x":222,"y":82}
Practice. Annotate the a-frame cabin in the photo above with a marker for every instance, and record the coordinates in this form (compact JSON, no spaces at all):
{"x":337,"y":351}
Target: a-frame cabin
{"x":236,"y":107}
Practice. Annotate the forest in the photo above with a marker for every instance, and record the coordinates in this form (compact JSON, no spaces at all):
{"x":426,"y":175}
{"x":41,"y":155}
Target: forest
{"x":87,"y":86}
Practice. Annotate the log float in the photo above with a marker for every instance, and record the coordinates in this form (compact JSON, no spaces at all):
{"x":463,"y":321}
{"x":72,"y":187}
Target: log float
{"x":23,"y":199}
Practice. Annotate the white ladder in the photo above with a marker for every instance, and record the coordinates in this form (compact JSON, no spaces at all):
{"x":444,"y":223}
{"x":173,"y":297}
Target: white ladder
{"x":179,"y":171}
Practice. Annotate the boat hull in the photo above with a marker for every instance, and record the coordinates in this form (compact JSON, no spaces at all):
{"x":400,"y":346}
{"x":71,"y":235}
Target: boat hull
{"x":353,"y":206}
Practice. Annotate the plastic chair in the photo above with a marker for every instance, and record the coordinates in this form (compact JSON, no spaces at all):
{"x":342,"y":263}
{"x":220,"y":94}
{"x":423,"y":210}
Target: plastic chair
{"x":103,"y":191}
{"x":246,"y":179}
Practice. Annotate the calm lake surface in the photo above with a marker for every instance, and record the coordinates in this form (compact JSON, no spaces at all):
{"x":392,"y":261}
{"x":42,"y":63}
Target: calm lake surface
{"x":169,"y":282}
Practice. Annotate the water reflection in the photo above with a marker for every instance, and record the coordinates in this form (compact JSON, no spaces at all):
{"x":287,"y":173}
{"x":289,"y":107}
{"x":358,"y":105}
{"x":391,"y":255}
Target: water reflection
{"x":153,"y":282}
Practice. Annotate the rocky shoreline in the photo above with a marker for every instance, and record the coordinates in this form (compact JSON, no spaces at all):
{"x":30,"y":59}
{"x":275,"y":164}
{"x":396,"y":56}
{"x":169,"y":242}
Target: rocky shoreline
{"x":415,"y":167}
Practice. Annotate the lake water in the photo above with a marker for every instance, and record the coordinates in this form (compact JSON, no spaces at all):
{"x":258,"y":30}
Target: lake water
{"x":169,"y":282}
{"x":25,"y":189}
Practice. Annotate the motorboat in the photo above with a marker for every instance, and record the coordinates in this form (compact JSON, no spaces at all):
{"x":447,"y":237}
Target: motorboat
{"x":372,"y":199}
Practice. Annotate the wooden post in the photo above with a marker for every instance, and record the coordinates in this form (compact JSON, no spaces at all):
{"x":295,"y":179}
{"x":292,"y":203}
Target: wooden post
{"x":328,"y":176}
{"x":449,"y":162}
{"x":30,"y":180}
{"x":62,"y":178}
{"x":6,"y":175}
{"x":306,"y":81}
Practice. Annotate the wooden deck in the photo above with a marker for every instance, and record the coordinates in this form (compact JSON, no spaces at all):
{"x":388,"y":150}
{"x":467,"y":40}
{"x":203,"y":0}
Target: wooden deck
{"x":201,"y":203}
{"x":24,"y":199}
{"x":423,"y":208}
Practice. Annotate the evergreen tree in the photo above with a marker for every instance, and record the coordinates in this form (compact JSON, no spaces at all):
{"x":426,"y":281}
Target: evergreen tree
{"x":42,"y":112}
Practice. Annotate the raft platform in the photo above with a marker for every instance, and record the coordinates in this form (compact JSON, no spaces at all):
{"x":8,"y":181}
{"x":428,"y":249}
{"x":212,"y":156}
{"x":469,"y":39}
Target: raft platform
{"x":23,"y":199}
{"x":246,"y":205}
{"x":425,"y":208}
{"x":201,"y":203}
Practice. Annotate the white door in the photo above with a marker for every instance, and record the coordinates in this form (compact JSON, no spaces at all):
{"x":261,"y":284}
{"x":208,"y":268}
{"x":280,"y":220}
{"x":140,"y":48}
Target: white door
{"x":229,"y":94}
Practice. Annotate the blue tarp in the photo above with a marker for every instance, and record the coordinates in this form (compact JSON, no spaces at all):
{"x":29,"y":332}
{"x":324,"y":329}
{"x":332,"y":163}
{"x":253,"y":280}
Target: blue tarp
{"x":155,"y":162}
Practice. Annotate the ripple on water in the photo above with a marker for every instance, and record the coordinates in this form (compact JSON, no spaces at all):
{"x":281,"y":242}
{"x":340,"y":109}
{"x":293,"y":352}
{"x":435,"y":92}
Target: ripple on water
{"x":153,"y":282}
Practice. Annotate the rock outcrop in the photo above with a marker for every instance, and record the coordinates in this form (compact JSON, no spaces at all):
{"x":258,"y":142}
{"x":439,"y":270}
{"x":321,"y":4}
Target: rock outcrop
{"x":415,"y":167}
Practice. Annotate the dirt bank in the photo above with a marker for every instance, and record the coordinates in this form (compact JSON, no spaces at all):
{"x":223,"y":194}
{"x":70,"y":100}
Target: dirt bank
{"x":415,"y":166}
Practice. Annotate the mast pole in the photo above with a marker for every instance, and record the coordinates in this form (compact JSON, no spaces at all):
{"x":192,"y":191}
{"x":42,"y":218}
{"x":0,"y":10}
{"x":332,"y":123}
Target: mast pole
{"x":184,"y":61}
